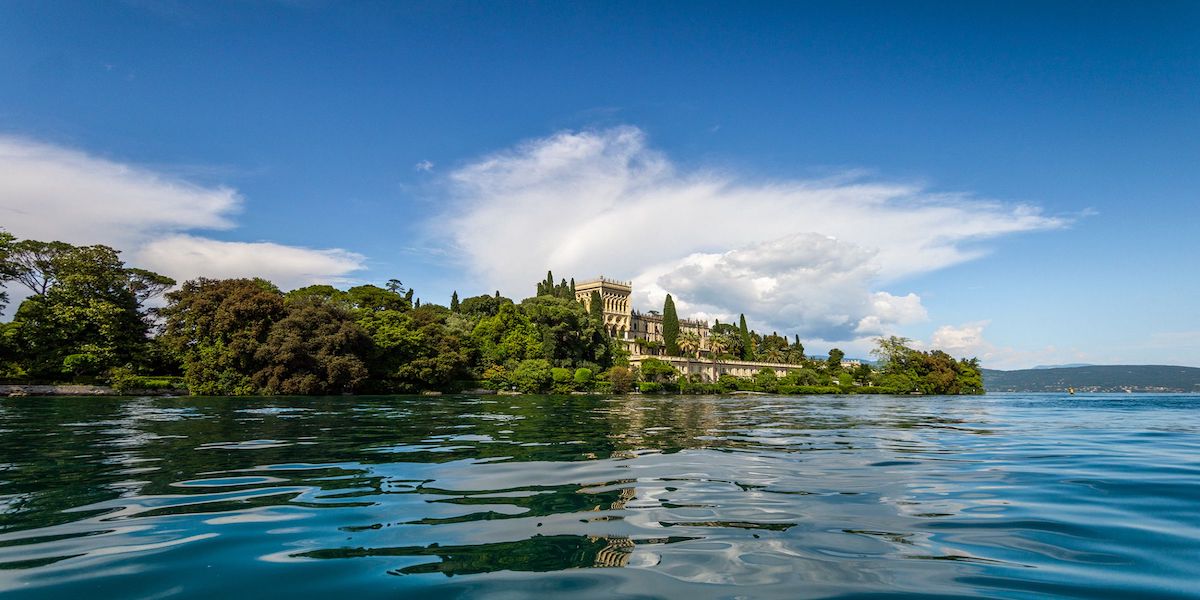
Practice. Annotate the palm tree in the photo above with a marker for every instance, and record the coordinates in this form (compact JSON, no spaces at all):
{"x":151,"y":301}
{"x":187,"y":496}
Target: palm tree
{"x":773,"y":355}
{"x":689,"y":343}
{"x":717,"y":343}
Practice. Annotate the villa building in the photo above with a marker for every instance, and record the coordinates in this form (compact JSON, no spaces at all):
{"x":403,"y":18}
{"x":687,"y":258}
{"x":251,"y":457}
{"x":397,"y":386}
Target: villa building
{"x":630,"y":326}
{"x":643,"y":338}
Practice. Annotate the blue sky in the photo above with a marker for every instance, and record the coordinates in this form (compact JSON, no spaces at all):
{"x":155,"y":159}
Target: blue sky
{"x":1017,"y":181}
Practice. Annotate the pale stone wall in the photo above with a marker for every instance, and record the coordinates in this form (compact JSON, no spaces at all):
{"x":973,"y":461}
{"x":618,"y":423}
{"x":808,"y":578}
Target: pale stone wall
{"x":711,"y":371}
{"x":615,"y":295}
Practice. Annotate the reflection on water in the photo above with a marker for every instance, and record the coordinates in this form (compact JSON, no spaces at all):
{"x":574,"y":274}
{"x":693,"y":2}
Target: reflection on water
{"x":1000,"y":496}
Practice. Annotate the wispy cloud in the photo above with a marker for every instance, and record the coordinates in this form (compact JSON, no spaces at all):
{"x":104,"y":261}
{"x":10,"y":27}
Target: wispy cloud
{"x":811,"y":256}
{"x":50,"y":192}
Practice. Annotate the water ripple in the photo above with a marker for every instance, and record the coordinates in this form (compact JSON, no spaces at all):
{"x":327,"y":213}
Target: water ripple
{"x":1002,"y":496}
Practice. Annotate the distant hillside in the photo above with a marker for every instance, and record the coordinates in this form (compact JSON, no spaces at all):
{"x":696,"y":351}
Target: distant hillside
{"x":1095,"y":378}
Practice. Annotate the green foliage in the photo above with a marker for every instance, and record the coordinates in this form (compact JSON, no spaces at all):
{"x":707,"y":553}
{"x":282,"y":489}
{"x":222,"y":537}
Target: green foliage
{"x":670,"y":327}
{"x":620,"y":379}
{"x":317,"y":293}
{"x":834,"y":362}
{"x":317,"y":348}
{"x":905,"y":370}
{"x":506,"y":337}
{"x":657,"y":371}
{"x":766,"y":380}
{"x":8,"y":270}
{"x":596,"y":307}
{"x":216,"y":328}
{"x":748,"y":347}
{"x":125,"y":379}
{"x":562,"y":380}
{"x":731,"y":336}
{"x":454,"y":305}
{"x":569,"y":337}
{"x":650,"y":387}
{"x":440,"y":356}
{"x":482,"y":306}
{"x":533,"y":376}
{"x":728,"y":383}
{"x":583,"y":378}
{"x":85,"y":315}
{"x":563,"y":290}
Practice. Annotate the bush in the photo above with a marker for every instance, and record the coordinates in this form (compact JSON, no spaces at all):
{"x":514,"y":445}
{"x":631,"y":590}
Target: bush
{"x":620,"y":379}
{"x":810,"y":389}
{"x":533,"y":376}
{"x":649,"y":387}
{"x":727,"y":383}
{"x":564,"y":381}
{"x":583,"y":379}
{"x":657,"y":370}
{"x":766,"y":380}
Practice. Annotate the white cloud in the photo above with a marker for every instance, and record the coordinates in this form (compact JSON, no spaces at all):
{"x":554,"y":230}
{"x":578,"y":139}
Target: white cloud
{"x":49,"y":192}
{"x":968,"y":340}
{"x":289,"y":266}
{"x":424,"y":165}
{"x":806,"y":256}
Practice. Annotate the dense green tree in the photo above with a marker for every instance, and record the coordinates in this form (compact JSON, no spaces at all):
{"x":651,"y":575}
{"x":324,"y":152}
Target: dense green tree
{"x":454,"y":306}
{"x":596,"y":308}
{"x":319,"y":293}
{"x":748,"y":348}
{"x":766,"y":380}
{"x":657,"y":371}
{"x":420,"y":349}
{"x":583,"y":378}
{"x":317,"y":348}
{"x":834,"y":362}
{"x":731,"y":336}
{"x":569,"y":336}
{"x":216,"y":326}
{"x":904,"y":369}
{"x":506,"y":338}
{"x":689,"y":344}
{"x":85,"y":315}
{"x":533,"y":376}
{"x":621,"y":379}
{"x":670,"y":327}
{"x":482,"y":306}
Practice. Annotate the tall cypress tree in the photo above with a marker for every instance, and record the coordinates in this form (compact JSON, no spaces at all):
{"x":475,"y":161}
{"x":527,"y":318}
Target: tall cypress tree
{"x":747,"y":341}
{"x":596,"y":307}
{"x":670,"y":327}
{"x":454,"y":301}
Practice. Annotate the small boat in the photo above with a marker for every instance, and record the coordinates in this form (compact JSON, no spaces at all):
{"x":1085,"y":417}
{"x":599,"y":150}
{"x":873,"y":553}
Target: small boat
{"x":1071,"y":391}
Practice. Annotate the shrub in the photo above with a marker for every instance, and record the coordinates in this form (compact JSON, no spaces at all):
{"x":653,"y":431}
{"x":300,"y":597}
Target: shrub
{"x":532,"y":376}
{"x":649,"y":387}
{"x":620,"y":379}
{"x":563,"y":379}
{"x":583,"y":378}
{"x":727,"y":383}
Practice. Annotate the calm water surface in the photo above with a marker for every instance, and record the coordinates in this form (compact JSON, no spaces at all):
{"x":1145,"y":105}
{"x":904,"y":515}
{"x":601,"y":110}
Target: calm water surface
{"x":1007,"y":496}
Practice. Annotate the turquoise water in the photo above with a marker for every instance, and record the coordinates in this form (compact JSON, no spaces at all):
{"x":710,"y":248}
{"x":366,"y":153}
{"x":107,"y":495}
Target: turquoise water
{"x":1003,"y":496}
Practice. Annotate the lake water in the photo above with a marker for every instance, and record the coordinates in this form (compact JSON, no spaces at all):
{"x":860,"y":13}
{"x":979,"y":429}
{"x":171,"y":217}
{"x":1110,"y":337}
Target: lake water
{"x":1003,"y":496}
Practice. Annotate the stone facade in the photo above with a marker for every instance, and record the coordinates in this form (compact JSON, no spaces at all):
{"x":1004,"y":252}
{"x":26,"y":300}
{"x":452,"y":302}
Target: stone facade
{"x":624,"y":323}
{"x":618,"y":314}
{"x":711,"y":371}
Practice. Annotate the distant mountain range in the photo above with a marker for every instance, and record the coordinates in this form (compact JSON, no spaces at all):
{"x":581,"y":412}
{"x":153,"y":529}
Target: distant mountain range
{"x":1095,"y":378}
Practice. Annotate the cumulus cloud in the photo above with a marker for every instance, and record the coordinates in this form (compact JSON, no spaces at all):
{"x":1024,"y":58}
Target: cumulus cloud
{"x":798,"y":255}
{"x":288,"y":266}
{"x":49,"y":192}
{"x":969,"y":340}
